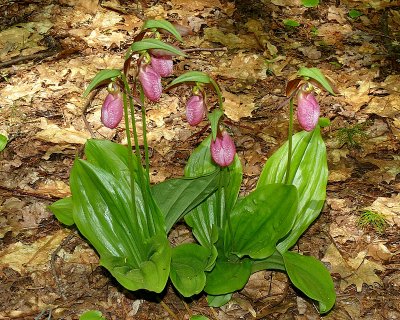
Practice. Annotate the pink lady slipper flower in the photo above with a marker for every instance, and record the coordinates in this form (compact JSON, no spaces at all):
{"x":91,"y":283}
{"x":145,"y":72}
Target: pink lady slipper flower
{"x":151,"y":82}
{"x":162,"y":65}
{"x":112,"y":110}
{"x":308,"y":109}
{"x":223,"y":149}
{"x":195,"y":110}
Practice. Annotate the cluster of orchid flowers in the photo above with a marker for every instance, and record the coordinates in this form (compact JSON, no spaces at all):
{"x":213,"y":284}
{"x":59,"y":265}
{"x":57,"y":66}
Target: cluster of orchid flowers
{"x":154,"y":64}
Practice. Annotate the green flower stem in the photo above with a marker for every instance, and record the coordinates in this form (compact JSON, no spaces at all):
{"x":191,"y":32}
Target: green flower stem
{"x":144,"y":128}
{"x":290,"y":134}
{"x":218,"y":91}
{"x":130,"y":156}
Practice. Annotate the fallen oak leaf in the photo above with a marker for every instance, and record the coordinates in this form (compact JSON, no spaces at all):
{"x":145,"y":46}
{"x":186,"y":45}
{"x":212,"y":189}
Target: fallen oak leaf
{"x":355,"y":271}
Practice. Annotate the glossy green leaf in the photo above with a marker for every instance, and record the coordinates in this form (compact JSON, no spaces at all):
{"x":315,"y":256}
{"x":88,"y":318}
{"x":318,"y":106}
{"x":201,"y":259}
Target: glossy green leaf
{"x":210,"y":215}
{"x":214,"y":117}
{"x":191,"y":76}
{"x":188,"y":263}
{"x":262,"y":218}
{"x":176,"y":197}
{"x":132,"y":247}
{"x":147,"y":44}
{"x":3,"y":142}
{"x":219,"y":300}
{"x":309,"y":173}
{"x":92,"y":315}
{"x":162,"y":24}
{"x":273,"y":262}
{"x":227,"y":277}
{"x":102,"y":77}
{"x":62,"y":209}
{"x":316,"y":74}
{"x":310,"y":276}
{"x":310,"y":3}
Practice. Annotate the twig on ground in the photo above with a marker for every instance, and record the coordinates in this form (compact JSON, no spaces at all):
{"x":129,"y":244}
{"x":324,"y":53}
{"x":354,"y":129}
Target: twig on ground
{"x":53,"y":259}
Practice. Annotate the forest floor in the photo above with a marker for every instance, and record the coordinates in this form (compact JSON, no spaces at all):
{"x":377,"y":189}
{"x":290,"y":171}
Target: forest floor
{"x":49,"y":52}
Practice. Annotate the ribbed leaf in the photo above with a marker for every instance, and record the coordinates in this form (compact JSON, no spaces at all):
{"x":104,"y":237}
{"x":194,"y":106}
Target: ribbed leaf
{"x":188,"y":263}
{"x":218,"y":301}
{"x":210,"y":215}
{"x":227,"y":277}
{"x":261,"y":219}
{"x":62,"y":209}
{"x":310,"y":276}
{"x":101,"y":77}
{"x":191,"y":76}
{"x":162,"y":24}
{"x":309,"y":174}
{"x":214,"y":121}
{"x":3,"y":142}
{"x":176,"y":197}
{"x":147,"y":44}
{"x":316,"y":74}
{"x":132,"y":247}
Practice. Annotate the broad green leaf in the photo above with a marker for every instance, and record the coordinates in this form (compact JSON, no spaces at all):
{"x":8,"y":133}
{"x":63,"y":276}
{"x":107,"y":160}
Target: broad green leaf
{"x":176,"y":197}
{"x":3,"y":142}
{"x":310,"y":276}
{"x":162,"y":24}
{"x":109,"y":156}
{"x":133,"y":247}
{"x":227,"y":277}
{"x":214,"y":117}
{"x":262,"y":218}
{"x":316,"y":74}
{"x":191,"y":76}
{"x":354,"y":14}
{"x":310,"y":3}
{"x":206,"y":218}
{"x":62,"y":209}
{"x":218,"y":301}
{"x":151,"y":274}
{"x":309,"y":173}
{"x":147,"y":44}
{"x":92,"y":315}
{"x":188,"y":264}
{"x":273,"y":262}
{"x":291,"y":23}
{"x":101,"y":78}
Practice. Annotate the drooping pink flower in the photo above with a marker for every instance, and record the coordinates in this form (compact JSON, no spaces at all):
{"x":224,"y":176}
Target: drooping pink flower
{"x":151,"y":82}
{"x":112,"y":110}
{"x":223,"y":149}
{"x":195,"y":110}
{"x":308,"y":110}
{"x":162,"y":65}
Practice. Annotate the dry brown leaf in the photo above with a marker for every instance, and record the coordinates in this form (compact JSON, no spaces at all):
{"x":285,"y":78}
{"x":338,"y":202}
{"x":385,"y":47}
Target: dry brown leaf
{"x":333,"y":33}
{"x":31,"y":256}
{"x":55,"y":188}
{"x":53,"y":133}
{"x":196,"y":4}
{"x":238,"y":106}
{"x":99,"y":39}
{"x":230,"y":40}
{"x":242,"y":66}
{"x":355,"y":271}
{"x":379,"y":251}
{"x":388,"y":170}
{"x":357,"y":96}
{"x":389,"y":208}
{"x":388,"y":106}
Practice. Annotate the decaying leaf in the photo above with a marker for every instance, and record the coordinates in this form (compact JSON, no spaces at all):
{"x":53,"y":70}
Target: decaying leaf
{"x":238,"y":105}
{"x":389,"y":208}
{"x":357,"y":271}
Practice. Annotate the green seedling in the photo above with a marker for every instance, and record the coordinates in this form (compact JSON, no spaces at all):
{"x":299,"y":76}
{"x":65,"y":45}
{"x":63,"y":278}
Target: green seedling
{"x":352,"y":136}
{"x":372,"y":219}
{"x":291,"y":23}
{"x":354,"y":14}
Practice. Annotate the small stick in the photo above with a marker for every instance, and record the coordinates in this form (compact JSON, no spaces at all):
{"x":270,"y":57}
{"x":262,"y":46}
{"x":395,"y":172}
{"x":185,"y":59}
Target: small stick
{"x":205,"y":49}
